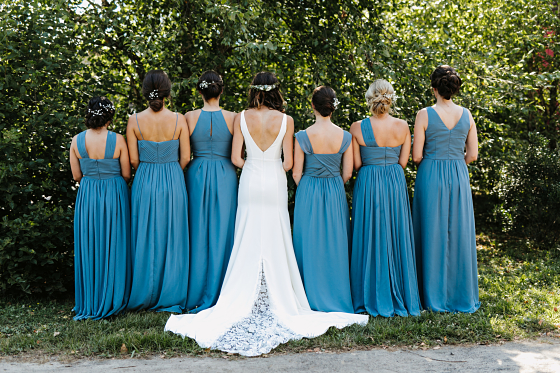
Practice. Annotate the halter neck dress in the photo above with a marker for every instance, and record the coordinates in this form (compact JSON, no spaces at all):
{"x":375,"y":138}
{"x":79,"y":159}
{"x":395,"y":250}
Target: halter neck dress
{"x":322,"y":229}
{"x":212,"y":188}
{"x":160,"y":229}
{"x":102,"y":258}
{"x":383,"y":266}
{"x":443,"y":218}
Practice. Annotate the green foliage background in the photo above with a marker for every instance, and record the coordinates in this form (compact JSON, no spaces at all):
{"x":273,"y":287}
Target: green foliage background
{"x":55,"y":55}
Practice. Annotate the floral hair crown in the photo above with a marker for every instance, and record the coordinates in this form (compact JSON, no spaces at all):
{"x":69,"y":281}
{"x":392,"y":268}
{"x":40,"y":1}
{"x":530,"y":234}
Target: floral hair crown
{"x":335,"y":102}
{"x":204,"y":84}
{"x":104,"y":108}
{"x":154,"y":94}
{"x":264,"y":87}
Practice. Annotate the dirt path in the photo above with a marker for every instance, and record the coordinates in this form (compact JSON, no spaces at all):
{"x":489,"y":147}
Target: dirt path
{"x":542,"y":355}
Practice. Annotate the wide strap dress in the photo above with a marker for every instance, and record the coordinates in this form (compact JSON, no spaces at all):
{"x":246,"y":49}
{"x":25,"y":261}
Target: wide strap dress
{"x":102,"y":257}
{"x":212,"y":187}
{"x":262,"y":303}
{"x":443,"y":218}
{"x":383,"y":266}
{"x":322,"y":229}
{"x":160,"y":229}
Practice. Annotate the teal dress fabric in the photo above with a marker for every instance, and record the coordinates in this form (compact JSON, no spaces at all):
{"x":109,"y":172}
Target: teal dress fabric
{"x":212,"y":187}
{"x":102,"y":260}
{"x":443,"y":218}
{"x":322,"y":229}
{"x":383,"y":266}
{"x":160,"y":229}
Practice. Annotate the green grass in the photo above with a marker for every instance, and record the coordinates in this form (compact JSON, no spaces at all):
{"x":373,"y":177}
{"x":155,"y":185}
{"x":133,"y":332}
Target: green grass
{"x":518,"y":289}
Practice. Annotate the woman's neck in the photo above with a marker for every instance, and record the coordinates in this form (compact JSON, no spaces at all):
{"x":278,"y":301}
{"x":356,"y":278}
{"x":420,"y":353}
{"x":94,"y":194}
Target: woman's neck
{"x":212,"y":105}
{"x":440,"y":101}
{"x":323,"y":121}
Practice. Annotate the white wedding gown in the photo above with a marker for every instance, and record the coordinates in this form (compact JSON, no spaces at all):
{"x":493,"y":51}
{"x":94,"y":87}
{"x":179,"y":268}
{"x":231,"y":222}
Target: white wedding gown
{"x":262,"y":301}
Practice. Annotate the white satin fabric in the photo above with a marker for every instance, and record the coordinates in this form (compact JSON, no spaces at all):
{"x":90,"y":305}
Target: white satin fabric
{"x":262,"y":301}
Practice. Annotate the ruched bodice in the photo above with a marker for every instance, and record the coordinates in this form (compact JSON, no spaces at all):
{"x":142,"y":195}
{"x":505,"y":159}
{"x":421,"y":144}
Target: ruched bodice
{"x":322,"y":165}
{"x":442,"y":143}
{"x":374,"y":155}
{"x":211,"y":138}
{"x":99,"y":169}
{"x":158,"y":152}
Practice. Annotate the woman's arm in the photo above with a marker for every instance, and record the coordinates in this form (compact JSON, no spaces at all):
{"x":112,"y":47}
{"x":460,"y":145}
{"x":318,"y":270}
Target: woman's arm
{"x":123,"y":158}
{"x":356,"y":130}
{"x":132,"y":142}
{"x":299,"y":159}
{"x":288,"y":145}
{"x":75,"y":161}
{"x":405,"y":148}
{"x":472,"y":142}
{"x":420,"y":127}
{"x":184,"y":142}
{"x":237,"y":144}
{"x":348,"y":163}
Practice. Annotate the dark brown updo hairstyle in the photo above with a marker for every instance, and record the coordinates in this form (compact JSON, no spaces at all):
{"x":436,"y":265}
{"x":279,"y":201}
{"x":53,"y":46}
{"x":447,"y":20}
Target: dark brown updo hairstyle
{"x":325,"y":101}
{"x":99,"y":112}
{"x":265,"y":91}
{"x":446,"y":80}
{"x":155,"y":88}
{"x":210,"y":85}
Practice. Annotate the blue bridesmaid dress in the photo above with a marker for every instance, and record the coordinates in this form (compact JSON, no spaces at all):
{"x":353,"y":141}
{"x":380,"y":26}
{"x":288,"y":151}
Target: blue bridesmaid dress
{"x":322,"y":229}
{"x":102,"y":258}
{"x":212,"y":187}
{"x":383,"y":266}
{"x":160,"y":229}
{"x":443,"y":218}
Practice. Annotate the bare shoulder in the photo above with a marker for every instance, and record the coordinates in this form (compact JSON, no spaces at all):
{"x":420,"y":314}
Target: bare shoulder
{"x":423,"y":113}
{"x":290,"y":121}
{"x":192,"y":114}
{"x":402,"y":124}
{"x":229,"y":115}
{"x":132,"y":120}
{"x":355,"y":128}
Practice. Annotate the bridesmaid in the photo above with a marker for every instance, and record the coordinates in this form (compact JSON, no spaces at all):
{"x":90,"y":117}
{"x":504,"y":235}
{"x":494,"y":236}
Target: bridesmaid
{"x":99,"y":161}
{"x":321,"y":219}
{"x":158,"y":142}
{"x":383,"y":267}
{"x":442,"y":208}
{"x":212,"y":187}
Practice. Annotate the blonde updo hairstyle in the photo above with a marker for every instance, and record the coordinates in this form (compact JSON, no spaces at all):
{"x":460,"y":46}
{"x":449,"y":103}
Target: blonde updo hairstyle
{"x":379,"y":97}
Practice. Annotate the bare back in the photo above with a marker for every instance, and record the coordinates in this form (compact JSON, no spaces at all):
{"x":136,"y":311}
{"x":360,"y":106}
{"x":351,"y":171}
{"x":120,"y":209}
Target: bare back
{"x":263,"y":125}
{"x":157,"y":126}
{"x":96,"y":141}
{"x":326,"y":138}
{"x":388,"y":131}
{"x":449,"y":115}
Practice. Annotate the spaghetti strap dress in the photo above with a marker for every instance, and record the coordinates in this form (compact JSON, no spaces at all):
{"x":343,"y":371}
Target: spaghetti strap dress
{"x":443,"y":218}
{"x":212,"y":188}
{"x":322,"y":229}
{"x":160,"y":229}
{"x":102,"y":258}
{"x":383,"y":265}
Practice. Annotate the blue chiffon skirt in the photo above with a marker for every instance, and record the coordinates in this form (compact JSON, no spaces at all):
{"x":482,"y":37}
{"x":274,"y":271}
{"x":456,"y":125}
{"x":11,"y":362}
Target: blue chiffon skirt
{"x":383,"y":267}
{"x":321,"y":241}
{"x":102,"y":260}
{"x":160,"y":238}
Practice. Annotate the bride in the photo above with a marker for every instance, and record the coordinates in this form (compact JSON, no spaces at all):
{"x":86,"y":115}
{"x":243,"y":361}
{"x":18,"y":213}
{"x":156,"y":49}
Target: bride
{"x":262,"y":302}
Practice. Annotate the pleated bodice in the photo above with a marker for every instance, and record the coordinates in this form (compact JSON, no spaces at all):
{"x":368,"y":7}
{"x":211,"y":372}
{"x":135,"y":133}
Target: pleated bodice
{"x":442,"y":143}
{"x":322,"y":165}
{"x":375,"y":155}
{"x":211,"y":138}
{"x":158,"y":152}
{"x":100,"y":169}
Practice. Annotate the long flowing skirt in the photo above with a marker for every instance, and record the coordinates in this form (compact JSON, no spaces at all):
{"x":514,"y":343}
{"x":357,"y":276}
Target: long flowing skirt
{"x":212,"y":190}
{"x":160,"y":238}
{"x":321,"y":243}
{"x":383,"y":267}
{"x":445,"y":236}
{"x":102,"y":258}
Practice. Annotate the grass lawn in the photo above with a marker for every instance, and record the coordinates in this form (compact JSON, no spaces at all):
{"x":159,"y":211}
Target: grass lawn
{"x":519,"y":291}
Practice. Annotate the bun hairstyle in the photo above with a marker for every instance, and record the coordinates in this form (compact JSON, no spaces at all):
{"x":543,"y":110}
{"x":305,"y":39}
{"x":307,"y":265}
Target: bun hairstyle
{"x":155,"y":88}
{"x":379,"y":97}
{"x":210,"y":85}
{"x":265,"y":91}
{"x":324,"y":100}
{"x":99,"y":112}
{"x":446,"y":80}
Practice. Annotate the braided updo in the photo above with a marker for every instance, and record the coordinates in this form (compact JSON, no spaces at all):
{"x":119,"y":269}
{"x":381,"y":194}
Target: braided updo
{"x":379,"y":97}
{"x":324,"y":100}
{"x":446,"y":80}
{"x":99,"y":112}
{"x":210,"y":85}
{"x":155,"y":87}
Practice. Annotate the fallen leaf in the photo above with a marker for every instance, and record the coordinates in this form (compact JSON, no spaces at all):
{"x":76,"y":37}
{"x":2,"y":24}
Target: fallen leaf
{"x":540,"y":322}
{"x":230,"y":353}
{"x":124,"y":350}
{"x":38,"y":342}
{"x":437,"y":348}
{"x":444,"y":339}
{"x":555,"y":309}
{"x":317,"y":349}
{"x":55,"y":334}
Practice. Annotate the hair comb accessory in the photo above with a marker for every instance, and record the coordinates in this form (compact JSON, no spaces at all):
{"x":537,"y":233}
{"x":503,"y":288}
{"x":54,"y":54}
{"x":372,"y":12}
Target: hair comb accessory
{"x":154,"y":94}
{"x":264,"y":87}
{"x":204,"y":84}
{"x":335,"y":102}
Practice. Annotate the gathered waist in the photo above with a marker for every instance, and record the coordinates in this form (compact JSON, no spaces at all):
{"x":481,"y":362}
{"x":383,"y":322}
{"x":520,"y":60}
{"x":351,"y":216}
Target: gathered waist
{"x":211,"y":157}
{"x":102,"y":176}
{"x":459,"y":158}
{"x":156,"y":162}
{"x":258,"y":159}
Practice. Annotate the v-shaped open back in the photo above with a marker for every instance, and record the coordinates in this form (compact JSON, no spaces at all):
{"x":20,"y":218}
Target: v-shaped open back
{"x":274,"y":151}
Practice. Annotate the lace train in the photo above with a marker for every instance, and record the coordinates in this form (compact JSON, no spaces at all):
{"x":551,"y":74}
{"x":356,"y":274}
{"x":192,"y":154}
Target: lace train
{"x":259,"y":332}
